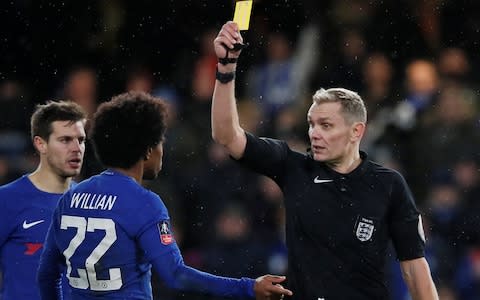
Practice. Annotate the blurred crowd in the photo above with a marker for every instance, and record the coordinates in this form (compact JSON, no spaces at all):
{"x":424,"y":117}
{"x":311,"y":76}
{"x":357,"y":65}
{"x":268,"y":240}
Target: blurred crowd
{"x":413,"y":63}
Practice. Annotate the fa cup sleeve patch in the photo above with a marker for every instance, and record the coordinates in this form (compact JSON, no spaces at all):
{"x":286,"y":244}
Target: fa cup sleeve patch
{"x":166,"y":236}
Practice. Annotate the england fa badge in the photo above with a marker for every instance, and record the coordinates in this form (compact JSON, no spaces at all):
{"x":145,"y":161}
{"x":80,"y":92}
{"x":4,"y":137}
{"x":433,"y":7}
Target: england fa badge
{"x":365,"y":229}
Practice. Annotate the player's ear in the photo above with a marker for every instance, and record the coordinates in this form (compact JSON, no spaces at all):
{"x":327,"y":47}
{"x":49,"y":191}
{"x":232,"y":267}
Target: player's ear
{"x":40,"y":144}
{"x":147,"y":155}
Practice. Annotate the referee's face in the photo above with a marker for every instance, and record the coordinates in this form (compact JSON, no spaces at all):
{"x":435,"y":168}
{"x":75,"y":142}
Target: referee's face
{"x":331,"y":137}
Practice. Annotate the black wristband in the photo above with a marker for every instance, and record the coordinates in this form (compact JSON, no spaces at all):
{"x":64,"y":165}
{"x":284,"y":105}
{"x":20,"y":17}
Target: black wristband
{"x":227,"y":60}
{"x":225,"y":77}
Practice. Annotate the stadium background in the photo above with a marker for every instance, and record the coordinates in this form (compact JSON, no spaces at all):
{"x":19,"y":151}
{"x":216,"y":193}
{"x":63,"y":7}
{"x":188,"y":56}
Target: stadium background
{"x":414,"y":62}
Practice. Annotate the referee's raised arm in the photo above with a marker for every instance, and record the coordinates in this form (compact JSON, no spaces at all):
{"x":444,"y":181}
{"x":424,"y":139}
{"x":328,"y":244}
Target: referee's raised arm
{"x":226,"y":128}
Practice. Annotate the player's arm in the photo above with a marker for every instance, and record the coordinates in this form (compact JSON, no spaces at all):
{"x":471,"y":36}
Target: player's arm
{"x":226,"y":128}
{"x":408,"y":238}
{"x":49,"y":274}
{"x":168,"y":263}
{"x":6,"y":216}
{"x":416,"y":274}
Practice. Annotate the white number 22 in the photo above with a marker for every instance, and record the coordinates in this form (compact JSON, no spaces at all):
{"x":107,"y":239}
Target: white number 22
{"x":88,"y":277}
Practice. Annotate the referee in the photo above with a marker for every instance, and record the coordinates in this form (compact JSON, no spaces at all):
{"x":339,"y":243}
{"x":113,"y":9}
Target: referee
{"x":341,"y":209}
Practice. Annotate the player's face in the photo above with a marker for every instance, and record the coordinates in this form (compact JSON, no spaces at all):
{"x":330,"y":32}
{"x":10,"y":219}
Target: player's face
{"x":330,"y":135}
{"x":153,"y":164}
{"x":65,"y":148}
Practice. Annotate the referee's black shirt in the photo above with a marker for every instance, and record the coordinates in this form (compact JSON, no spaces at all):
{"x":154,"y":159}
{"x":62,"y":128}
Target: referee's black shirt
{"x":338,"y":225}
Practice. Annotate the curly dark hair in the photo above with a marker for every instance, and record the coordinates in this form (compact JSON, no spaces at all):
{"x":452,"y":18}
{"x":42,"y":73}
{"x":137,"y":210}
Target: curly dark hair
{"x":45,"y":114}
{"x":124,"y":128}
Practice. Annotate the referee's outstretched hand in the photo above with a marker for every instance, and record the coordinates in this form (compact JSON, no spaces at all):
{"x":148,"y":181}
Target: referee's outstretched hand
{"x":268,"y":287}
{"x":226,"y":38}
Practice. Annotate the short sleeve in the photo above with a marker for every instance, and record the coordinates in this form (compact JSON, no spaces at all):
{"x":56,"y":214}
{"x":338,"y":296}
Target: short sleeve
{"x":265,"y":156}
{"x":405,"y":223}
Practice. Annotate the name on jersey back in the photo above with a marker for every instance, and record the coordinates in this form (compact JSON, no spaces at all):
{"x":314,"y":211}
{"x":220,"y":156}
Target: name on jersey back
{"x":92,"y":201}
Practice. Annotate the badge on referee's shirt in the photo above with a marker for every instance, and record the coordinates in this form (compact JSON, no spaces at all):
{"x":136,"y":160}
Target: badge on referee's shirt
{"x":365,"y":228}
{"x":166,"y":236}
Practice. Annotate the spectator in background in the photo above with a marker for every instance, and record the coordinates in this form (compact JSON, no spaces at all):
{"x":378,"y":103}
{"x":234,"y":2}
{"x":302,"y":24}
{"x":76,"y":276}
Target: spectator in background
{"x":203,"y":79}
{"x":234,"y":237}
{"x":272,"y":83}
{"x":139,"y":79}
{"x":380,"y":94}
{"x":467,"y":178}
{"x":204,"y":203}
{"x":250,"y":115}
{"x":188,"y":133}
{"x":15,"y":147}
{"x":270,"y":223}
{"x":420,"y":93}
{"x":421,"y":89}
{"x":378,"y":87}
{"x":454,"y":67}
{"x":467,"y":279}
{"x":447,"y":292}
{"x":346,"y":69}
{"x":443,"y":206}
{"x":15,"y":109}
{"x":450,"y":128}
{"x":278,"y":82}
{"x":81,"y":87}
{"x":27,"y":204}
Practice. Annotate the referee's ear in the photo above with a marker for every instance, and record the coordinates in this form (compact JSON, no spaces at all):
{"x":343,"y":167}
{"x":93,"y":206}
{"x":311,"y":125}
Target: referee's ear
{"x":358,"y":129}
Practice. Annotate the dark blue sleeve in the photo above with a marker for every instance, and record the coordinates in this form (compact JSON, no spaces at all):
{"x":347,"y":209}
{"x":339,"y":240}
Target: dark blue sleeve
{"x":51,"y":266}
{"x":168,"y":263}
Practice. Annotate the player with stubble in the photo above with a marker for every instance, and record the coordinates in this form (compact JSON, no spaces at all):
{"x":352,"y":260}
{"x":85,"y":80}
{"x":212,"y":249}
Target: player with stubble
{"x":27,"y":204}
{"x":341,"y":208}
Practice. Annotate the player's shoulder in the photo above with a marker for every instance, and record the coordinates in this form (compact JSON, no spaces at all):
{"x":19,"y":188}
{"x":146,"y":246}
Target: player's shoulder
{"x":262,"y":140}
{"x":378,"y":168}
{"x":139,"y":192}
{"x":18,"y":186}
{"x":113,"y":183}
{"x":143,"y":202}
{"x":384,"y":173}
{"x":276,"y":146}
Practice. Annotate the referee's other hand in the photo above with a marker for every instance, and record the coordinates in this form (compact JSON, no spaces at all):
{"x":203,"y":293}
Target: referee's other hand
{"x":267,"y":287}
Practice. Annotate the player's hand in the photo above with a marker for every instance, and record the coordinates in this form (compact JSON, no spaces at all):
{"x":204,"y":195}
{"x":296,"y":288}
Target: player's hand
{"x":228,"y":35}
{"x":268,"y":287}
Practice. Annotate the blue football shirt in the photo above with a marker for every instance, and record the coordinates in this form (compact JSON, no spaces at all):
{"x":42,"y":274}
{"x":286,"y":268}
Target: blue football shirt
{"x":108,"y":231}
{"x":25,"y":215}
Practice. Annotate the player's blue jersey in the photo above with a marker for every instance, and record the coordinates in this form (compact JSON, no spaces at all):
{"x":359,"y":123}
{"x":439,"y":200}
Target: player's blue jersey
{"x":108,"y":231}
{"x":25,"y":215}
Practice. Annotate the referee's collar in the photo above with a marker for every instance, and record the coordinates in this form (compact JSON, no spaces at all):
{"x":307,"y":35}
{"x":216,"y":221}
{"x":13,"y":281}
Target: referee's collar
{"x":358,"y":171}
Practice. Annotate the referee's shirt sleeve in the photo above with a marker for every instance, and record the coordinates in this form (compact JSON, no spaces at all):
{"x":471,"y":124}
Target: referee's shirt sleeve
{"x":405,"y":222}
{"x":265,"y":156}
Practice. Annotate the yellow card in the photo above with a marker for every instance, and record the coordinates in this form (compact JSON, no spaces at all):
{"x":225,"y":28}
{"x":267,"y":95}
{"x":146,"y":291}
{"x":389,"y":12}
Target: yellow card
{"x":243,"y":9}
